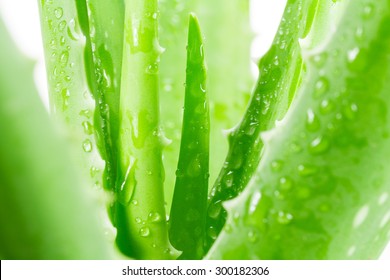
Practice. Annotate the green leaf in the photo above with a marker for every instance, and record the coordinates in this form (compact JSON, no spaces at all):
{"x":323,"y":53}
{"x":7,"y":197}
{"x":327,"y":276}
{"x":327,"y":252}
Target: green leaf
{"x":103,"y":23}
{"x":44,"y":211}
{"x":227,"y":33}
{"x":321,"y":189}
{"x":140,"y":213}
{"x":188,"y":211}
{"x":71,"y":100}
{"x":280,"y":73}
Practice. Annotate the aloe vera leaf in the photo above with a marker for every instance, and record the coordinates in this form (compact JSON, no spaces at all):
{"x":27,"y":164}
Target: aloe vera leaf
{"x":140,"y":214}
{"x":102,"y":23}
{"x":44,"y":214}
{"x":280,"y":69}
{"x":71,"y":101}
{"x":188,"y":211}
{"x":322,"y":187}
{"x":229,"y":86}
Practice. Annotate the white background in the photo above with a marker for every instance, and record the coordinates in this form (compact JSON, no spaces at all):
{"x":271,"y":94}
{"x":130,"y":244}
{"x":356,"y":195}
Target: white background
{"x":22,"y":18}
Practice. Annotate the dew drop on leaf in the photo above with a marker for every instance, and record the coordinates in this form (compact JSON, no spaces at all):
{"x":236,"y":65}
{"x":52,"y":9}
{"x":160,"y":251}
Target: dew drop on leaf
{"x":87,"y":146}
{"x":154,"y":217}
{"x":319,"y":145}
{"x":252,"y":236}
{"x":152,"y":69}
{"x":88,"y":127}
{"x":212,"y":232}
{"x":62,"y":25}
{"x":327,"y":106}
{"x":58,"y":12}
{"x":144,"y":232}
{"x":276,"y":165}
{"x":321,"y":87}
{"x":350,"y":111}
{"x":215,"y":209}
{"x":312,"y":121}
{"x":305,"y":170}
{"x":229,"y":179}
{"x":285,"y":183}
{"x":134,"y":202}
{"x":284,"y":218}
{"x":320,"y":59}
{"x":368,"y":11}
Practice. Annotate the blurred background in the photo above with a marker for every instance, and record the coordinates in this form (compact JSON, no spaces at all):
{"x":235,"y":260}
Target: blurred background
{"x":22,"y":19}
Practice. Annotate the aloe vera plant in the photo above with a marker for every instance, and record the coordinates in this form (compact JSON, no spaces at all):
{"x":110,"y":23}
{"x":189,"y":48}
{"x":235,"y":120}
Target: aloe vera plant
{"x":305,"y":175}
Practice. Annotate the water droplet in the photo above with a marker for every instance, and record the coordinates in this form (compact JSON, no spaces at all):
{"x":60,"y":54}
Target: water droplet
{"x":154,"y":217}
{"x":276,"y":61}
{"x":228,"y":228}
{"x":93,"y":171}
{"x":215,"y":209}
{"x":361,"y":216}
{"x":285,"y":183}
{"x":295,"y":148}
{"x":252,"y":236}
{"x":62,"y":25}
{"x":350,"y":111}
{"x":319,"y":145}
{"x":359,"y":33}
{"x":229,"y":179}
{"x":62,"y":40}
{"x":320,"y":59}
{"x":87,"y":146}
{"x":327,"y":106}
{"x":88,"y":127}
{"x":64,"y":57}
{"x":86,"y":113}
{"x":251,"y":128}
{"x":284,"y":218}
{"x":352,"y":54}
{"x":152,"y":69}
{"x":202,"y":87}
{"x":212,"y":233}
{"x":305,"y":170}
{"x":138,"y":220}
{"x":254,"y":201}
{"x":351,"y":251}
{"x":58,"y":13}
{"x":312,"y":121}
{"x":65,"y":93}
{"x":383,"y":198}
{"x":321,"y":87}
{"x":368,"y":11}
{"x":276,"y":165}
{"x":134,"y":202}
{"x":167,"y":86}
{"x":194,"y":168}
{"x":385,"y":220}
{"x":144,"y":231}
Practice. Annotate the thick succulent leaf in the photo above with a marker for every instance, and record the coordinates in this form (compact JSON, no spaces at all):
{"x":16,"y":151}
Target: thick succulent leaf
{"x":280,"y":73}
{"x":140,"y":214}
{"x":188,"y":211}
{"x":71,"y":100}
{"x":43,"y":206}
{"x":102,"y":24}
{"x":322,"y":187}
{"x":227,"y":38}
